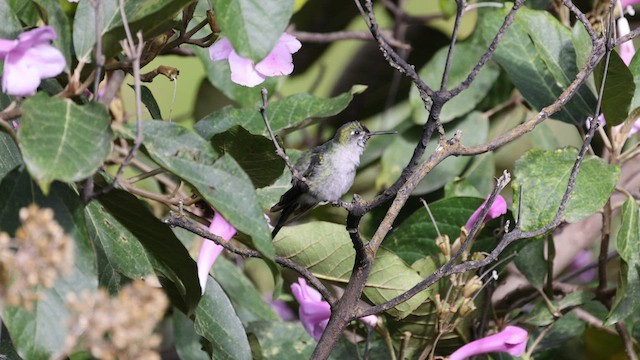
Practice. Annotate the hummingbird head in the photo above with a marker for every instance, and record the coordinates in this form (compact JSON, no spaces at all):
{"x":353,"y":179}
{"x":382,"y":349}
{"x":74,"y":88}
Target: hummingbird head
{"x":355,"y":132}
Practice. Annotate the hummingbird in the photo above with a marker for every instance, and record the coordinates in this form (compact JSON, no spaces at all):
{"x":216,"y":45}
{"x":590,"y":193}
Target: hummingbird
{"x":328,"y":169}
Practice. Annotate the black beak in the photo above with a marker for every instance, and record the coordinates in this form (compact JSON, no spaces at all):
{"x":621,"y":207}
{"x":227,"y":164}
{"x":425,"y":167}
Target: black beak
{"x":382,"y":132}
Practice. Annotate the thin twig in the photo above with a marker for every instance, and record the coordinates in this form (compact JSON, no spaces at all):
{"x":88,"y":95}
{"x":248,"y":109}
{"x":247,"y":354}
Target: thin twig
{"x":97,"y":6}
{"x":279,"y":151}
{"x":348,"y":35}
{"x":452,"y":44}
{"x":626,"y":340}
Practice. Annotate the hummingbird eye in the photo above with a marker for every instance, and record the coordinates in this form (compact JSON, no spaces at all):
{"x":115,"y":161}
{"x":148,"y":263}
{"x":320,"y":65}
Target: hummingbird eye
{"x":355,"y":132}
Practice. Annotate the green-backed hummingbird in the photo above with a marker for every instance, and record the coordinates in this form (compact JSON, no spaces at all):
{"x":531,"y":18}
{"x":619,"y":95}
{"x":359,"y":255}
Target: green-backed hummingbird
{"x":328,"y":169}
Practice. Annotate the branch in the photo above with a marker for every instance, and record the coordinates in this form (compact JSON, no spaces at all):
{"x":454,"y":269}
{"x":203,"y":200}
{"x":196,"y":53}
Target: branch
{"x":516,"y":234}
{"x":279,"y":150}
{"x":182,"y":222}
{"x":348,"y":35}
{"x":395,"y":60}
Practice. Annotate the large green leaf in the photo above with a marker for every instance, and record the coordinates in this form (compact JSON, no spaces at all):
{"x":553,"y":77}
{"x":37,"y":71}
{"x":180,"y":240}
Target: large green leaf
{"x":219,"y":75}
{"x":618,"y":89}
{"x":187,"y":341}
{"x":84,"y":25}
{"x":283,"y":114}
{"x":627,"y":298}
{"x":254,"y":153}
{"x":542,"y":177}
{"x":152,"y":17}
{"x":57,"y":19}
{"x":465,"y":57}
{"x":474,"y":127}
{"x":175,"y":263}
{"x":40,"y":333}
{"x":538,"y":54}
{"x":122,"y":250}
{"x":9,"y":24}
{"x":282,"y":340}
{"x":243,"y":294}
{"x":253,"y":26}
{"x":219,"y":179}
{"x":532,"y":263}
{"x":61,"y":140}
{"x":477,"y":180}
{"x":634,"y":67}
{"x":326,"y":250}
{"x":216,"y":321}
{"x":10,"y":154}
{"x":415,"y":237}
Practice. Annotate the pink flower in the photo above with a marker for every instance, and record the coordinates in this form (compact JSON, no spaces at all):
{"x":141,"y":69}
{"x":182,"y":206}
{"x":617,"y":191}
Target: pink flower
{"x":244,"y":71}
{"x":281,"y":308}
{"x":627,"y":50}
{"x":512,"y":340}
{"x":499,"y":207}
{"x":626,"y":3}
{"x":28,"y":60}
{"x":209,"y":251}
{"x":314,"y":313}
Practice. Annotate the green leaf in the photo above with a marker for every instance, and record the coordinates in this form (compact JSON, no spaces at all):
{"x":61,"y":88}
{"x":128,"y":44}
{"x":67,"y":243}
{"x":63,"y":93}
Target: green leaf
{"x":634,"y":67}
{"x":57,"y":19}
{"x":152,"y":17}
{"x":219,"y":75}
{"x":474,"y":127}
{"x":477,"y":180}
{"x":121,"y":249}
{"x":84,"y":26}
{"x":532,"y":263}
{"x":254,"y":153}
{"x":149,"y":101}
{"x":187,"y":341}
{"x":282,"y":340}
{"x":40,"y":333}
{"x":243,"y":294}
{"x":415,"y":237}
{"x":627,"y":298}
{"x":9,"y":24}
{"x":11,"y":157}
{"x":61,"y":140}
{"x":542,"y":177}
{"x":282,"y":114}
{"x":253,"y":26}
{"x":219,"y":179}
{"x":217,"y":322}
{"x":160,"y":242}
{"x":618,"y":89}
{"x":465,"y":57}
{"x":541,"y":64}
{"x":326,"y":250}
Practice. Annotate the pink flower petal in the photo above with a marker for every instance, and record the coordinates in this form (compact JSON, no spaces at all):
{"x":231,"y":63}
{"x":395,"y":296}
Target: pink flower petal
{"x":626,"y":3}
{"x":28,"y":60}
{"x":221,"y":49}
{"x":370,"y":320}
{"x":512,"y":340}
{"x":209,"y":251}
{"x":313,"y":312}
{"x":290,"y":41}
{"x":627,"y":50}
{"x":6,"y":46}
{"x":499,"y":207}
{"x":243,"y":72}
{"x":38,"y":35}
{"x":44,"y":59}
{"x":279,"y":61}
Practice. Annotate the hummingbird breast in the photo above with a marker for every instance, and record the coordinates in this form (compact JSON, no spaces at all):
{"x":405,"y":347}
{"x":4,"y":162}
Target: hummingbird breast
{"x":337,"y":172}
